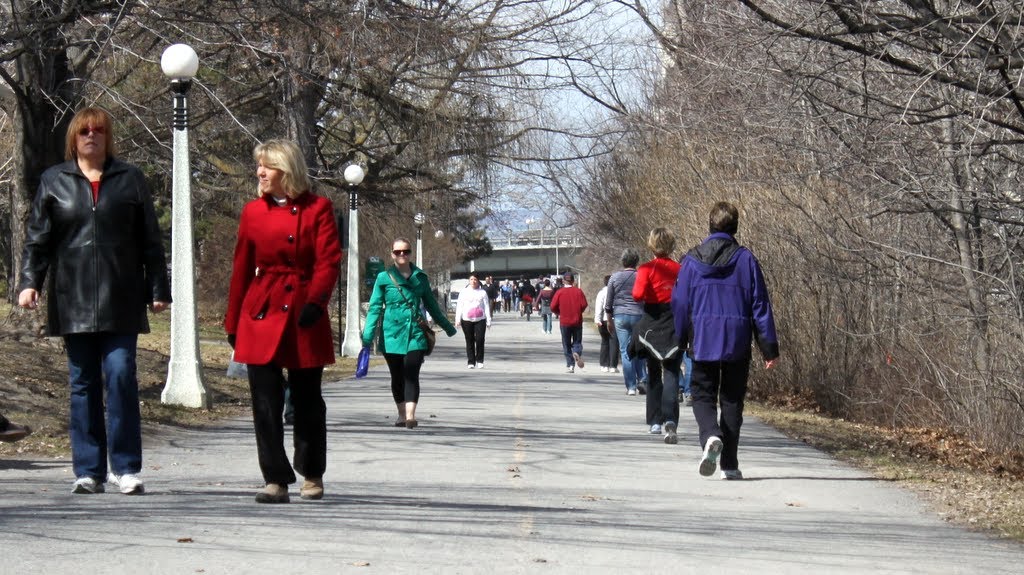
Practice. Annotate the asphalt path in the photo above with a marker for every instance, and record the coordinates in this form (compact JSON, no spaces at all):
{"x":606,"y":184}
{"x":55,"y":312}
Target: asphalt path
{"x":515,"y":468}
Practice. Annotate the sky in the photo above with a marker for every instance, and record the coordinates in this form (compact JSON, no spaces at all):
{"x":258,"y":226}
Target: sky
{"x":612,"y":36}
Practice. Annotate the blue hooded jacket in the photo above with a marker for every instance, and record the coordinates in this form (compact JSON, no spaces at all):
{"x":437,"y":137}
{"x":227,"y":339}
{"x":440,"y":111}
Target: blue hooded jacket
{"x":720,"y":302}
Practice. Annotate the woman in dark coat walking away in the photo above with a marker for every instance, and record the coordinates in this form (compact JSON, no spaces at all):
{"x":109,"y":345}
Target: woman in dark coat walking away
{"x":654,"y":335}
{"x":93,"y":239}
{"x":285,"y":267}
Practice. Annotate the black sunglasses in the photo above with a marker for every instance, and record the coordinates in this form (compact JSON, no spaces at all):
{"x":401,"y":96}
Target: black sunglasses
{"x":402,"y":252}
{"x":85,"y":130}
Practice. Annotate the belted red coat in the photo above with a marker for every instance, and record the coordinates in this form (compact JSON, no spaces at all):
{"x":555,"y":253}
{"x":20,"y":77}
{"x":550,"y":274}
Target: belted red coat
{"x":286,"y":256}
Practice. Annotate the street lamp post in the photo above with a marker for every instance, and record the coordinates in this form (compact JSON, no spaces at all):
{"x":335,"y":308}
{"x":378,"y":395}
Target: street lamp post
{"x":353,"y":338}
{"x":184,"y":374}
{"x":557,"y":269}
{"x":418,"y":220}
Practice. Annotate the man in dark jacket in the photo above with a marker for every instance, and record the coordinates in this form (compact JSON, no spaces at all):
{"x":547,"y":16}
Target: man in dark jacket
{"x":720,"y":302}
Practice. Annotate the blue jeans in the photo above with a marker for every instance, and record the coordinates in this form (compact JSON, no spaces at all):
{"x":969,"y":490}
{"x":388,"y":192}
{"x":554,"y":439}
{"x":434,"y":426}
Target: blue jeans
{"x":546,"y":318}
{"x":572,"y":341}
{"x":632,"y":372}
{"x":684,"y":381}
{"x":98,"y":361}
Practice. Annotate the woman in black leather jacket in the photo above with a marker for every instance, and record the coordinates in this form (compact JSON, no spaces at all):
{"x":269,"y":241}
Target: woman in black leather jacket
{"x":93,"y":231}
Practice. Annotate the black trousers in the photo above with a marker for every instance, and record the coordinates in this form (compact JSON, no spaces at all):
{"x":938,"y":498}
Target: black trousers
{"x":475,"y":332}
{"x":405,"y":375}
{"x":663,"y":390}
{"x":609,"y":347}
{"x":714,"y":384}
{"x":309,"y":433}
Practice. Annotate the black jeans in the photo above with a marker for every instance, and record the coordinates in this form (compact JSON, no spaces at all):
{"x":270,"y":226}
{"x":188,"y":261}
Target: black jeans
{"x":663,"y":390}
{"x":475,"y":331}
{"x":722,"y":383}
{"x":309,"y":433}
{"x":609,"y":347}
{"x":405,"y":375}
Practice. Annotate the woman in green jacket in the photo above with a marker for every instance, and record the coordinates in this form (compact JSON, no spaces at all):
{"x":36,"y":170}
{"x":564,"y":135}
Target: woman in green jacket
{"x":395,"y":304}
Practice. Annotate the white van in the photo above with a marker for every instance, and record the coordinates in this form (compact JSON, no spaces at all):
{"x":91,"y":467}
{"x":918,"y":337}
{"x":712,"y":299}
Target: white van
{"x":453,"y":292}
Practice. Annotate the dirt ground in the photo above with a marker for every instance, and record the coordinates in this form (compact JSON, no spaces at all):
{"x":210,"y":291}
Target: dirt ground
{"x":964,"y":483}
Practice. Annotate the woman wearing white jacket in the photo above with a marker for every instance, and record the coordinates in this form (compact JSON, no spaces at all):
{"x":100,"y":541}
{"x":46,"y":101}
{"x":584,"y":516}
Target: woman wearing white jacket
{"x":473,"y":313}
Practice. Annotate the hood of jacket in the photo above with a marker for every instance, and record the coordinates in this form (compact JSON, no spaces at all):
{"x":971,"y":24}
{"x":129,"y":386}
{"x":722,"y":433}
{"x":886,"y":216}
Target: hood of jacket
{"x":716,"y":256}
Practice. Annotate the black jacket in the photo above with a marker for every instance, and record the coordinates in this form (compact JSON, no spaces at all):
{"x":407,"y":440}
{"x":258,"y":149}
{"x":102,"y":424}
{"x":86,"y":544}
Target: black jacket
{"x":105,"y":261}
{"x":654,"y":335}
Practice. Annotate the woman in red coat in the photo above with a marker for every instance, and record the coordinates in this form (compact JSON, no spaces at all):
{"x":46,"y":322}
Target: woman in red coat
{"x":285,"y":267}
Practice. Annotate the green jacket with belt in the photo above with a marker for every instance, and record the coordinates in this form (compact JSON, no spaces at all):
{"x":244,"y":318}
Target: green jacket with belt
{"x":399,"y":305}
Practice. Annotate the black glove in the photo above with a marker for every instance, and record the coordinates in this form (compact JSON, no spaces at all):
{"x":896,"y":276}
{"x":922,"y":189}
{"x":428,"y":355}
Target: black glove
{"x":231,"y":340}
{"x":310,"y":314}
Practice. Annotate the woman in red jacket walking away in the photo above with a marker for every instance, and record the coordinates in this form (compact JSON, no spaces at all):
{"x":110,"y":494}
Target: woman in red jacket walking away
{"x":654,"y":335}
{"x":285,"y":267}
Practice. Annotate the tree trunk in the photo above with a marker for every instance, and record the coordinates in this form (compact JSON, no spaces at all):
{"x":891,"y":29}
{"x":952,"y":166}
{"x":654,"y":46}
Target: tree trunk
{"x":41,"y":115}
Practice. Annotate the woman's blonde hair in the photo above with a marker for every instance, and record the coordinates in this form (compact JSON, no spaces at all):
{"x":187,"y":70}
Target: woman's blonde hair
{"x":662,"y":242}
{"x":84,"y":118}
{"x":284,"y":155}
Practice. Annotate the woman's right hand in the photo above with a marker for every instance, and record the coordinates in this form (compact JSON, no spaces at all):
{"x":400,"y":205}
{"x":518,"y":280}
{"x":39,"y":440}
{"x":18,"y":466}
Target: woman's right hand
{"x":28,"y":298}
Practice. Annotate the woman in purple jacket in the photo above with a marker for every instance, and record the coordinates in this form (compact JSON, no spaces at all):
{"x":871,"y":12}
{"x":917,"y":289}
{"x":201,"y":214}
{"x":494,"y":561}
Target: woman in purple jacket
{"x":720,"y":302}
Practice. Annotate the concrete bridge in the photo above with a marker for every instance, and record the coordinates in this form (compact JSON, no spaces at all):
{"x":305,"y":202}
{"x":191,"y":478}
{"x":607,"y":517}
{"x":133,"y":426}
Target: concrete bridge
{"x":529,"y":254}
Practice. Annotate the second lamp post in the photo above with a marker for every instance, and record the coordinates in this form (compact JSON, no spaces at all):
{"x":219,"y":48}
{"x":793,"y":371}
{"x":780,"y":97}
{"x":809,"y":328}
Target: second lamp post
{"x":418,"y":220}
{"x":352,"y":342}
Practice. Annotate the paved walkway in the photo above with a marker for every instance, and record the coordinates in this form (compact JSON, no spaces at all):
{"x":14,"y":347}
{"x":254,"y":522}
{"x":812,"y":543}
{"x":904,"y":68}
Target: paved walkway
{"x":518,"y":468}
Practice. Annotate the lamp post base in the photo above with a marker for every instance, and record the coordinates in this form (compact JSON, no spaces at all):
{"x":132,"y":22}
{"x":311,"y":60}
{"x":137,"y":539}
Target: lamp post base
{"x":185,"y":387}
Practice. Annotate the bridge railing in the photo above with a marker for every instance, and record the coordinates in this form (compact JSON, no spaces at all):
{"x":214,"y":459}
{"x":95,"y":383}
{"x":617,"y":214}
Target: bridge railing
{"x":540,"y":238}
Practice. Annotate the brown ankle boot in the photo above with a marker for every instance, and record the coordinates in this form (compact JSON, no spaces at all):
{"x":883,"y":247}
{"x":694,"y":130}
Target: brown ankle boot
{"x":312,"y":488}
{"x":273,"y":493}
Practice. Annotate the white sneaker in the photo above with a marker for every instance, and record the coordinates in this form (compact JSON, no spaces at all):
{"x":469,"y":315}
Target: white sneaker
{"x":614,"y":370}
{"x":631,"y":392}
{"x":480,"y":365}
{"x":471,"y":366}
{"x":87,"y":485}
{"x":709,"y":462}
{"x":570,"y":369}
{"x":604,"y":369}
{"x":128,"y":483}
{"x":732,"y":474}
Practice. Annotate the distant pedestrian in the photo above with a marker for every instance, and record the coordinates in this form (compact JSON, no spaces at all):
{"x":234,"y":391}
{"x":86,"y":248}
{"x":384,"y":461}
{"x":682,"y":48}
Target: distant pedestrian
{"x":720,"y":303}
{"x":506,"y":296}
{"x":92,"y":238}
{"x":654,"y":335}
{"x":527,"y":293}
{"x":625,"y":312}
{"x":570,"y":303}
{"x":493,"y":293}
{"x":11,"y":432}
{"x":284,"y":270}
{"x":609,"y":358}
{"x":398,"y":293}
{"x":473,"y":314}
{"x":543,"y":306}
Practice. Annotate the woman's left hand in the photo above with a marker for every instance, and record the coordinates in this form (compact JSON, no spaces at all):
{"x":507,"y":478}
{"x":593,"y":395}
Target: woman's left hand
{"x":159,"y":306}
